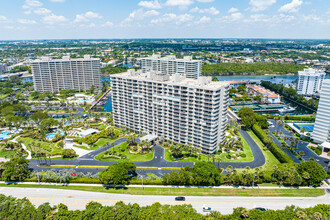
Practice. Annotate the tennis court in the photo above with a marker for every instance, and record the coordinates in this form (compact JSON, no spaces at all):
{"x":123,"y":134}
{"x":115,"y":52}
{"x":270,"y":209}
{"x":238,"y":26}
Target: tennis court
{"x":308,"y":127}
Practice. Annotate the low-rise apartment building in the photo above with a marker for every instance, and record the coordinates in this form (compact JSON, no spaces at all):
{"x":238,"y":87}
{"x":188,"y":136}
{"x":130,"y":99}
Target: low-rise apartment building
{"x":268,"y":96}
{"x":174,"y":107}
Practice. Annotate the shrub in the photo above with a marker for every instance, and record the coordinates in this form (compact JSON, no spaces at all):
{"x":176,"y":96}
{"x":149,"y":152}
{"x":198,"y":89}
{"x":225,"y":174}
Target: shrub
{"x":243,"y":155}
{"x":276,"y":150}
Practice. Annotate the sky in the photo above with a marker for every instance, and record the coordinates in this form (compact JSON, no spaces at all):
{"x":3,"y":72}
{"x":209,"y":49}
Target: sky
{"x":108,"y":19}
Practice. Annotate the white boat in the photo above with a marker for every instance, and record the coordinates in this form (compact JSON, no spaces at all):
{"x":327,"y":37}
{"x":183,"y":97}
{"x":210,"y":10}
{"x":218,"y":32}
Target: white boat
{"x":287,"y":110}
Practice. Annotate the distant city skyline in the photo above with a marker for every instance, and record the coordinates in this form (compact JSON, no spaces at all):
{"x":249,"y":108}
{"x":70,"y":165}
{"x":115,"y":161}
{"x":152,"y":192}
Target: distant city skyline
{"x":101,"y":19}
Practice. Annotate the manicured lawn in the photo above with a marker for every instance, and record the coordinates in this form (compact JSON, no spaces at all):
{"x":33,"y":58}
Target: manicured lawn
{"x":101,"y":142}
{"x":48,"y":148}
{"x":6,"y":153}
{"x":246,"y":150}
{"x":271,"y":160}
{"x":185,"y":191}
{"x":82,"y":147}
{"x":124,"y":151}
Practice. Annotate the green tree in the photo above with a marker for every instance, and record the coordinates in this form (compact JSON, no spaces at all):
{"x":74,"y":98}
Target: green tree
{"x":117,"y":173}
{"x":16,"y":169}
{"x":38,"y":116}
{"x":247,"y":117}
{"x":315,"y":171}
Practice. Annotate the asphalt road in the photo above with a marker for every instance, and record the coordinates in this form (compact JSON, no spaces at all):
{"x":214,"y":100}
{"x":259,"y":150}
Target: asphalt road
{"x":157,"y":161}
{"x":78,"y":199}
{"x":301,"y":145}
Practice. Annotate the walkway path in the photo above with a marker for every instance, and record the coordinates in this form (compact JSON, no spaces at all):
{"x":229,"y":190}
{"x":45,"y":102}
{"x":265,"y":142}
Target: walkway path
{"x":29,"y":157}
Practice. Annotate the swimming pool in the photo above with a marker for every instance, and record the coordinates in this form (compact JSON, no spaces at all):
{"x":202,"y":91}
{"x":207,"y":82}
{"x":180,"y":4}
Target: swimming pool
{"x":5,"y":135}
{"x":308,"y":127}
{"x":51,"y":136}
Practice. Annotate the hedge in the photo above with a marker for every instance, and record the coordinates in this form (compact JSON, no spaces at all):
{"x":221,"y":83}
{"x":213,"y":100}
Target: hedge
{"x":274,"y":148}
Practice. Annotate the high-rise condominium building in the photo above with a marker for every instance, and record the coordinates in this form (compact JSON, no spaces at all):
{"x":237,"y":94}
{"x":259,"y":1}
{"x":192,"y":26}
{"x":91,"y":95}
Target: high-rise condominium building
{"x":56,"y":74}
{"x":174,"y":107}
{"x":171,"y":65}
{"x":321,"y":131}
{"x":310,"y":81}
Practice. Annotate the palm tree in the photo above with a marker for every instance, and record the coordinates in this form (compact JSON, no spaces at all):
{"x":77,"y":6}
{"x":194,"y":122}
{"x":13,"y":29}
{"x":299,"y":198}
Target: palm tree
{"x":229,"y":168}
{"x":279,"y":125}
{"x":296,"y":140}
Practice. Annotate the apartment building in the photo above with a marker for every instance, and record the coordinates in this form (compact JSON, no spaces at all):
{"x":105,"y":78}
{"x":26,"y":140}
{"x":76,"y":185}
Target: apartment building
{"x":56,"y":74}
{"x":267,"y":95}
{"x":171,"y":65}
{"x":321,"y":131}
{"x":177,"y":108}
{"x":310,"y":81}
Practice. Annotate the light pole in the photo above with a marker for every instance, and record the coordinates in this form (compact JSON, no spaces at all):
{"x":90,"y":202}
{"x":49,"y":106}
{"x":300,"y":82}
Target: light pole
{"x":254,"y":175}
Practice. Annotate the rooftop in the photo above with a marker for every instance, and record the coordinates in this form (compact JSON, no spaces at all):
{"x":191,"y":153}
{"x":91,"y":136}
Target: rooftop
{"x":311,"y":72}
{"x":171,"y":57}
{"x":263,"y":91}
{"x":203,"y":82}
{"x":64,"y":58}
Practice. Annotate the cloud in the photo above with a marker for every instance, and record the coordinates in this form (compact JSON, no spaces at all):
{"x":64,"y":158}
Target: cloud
{"x":205,"y":1}
{"x":30,"y":4}
{"x":171,"y":17}
{"x":57,"y":0}
{"x":232,"y":10}
{"x":53,"y":19}
{"x":26,"y":21}
{"x":212,"y":10}
{"x":232,"y":18}
{"x":42,"y":11}
{"x":3,"y":19}
{"x":87,"y":16}
{"x":107,"y":24}
{"x":183,"y":3}
{"x":140,"y":14}
{"x":203,"y":20}
{"x":91,"y":25}
{"x":150,"y":4}
{"x":261,"y":5}
{"x":291,"y":7}
{"x":257,"y":18}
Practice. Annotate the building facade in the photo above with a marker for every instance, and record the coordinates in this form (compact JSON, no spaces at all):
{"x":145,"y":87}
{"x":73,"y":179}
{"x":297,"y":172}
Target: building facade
{"x":55,"y":75}
{"x":174,"y":107}
{"x":310,"y":81}
{"x":171,"y":65}
{"x":321,"y":132}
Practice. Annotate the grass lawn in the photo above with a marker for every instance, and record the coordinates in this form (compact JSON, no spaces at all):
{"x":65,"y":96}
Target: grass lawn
{"x":81,"y":147}
{"x":6,"y":153}
{"x":185,"y":191}
{"x":124,"y":151}
{"x":101,"y":142}
{"x":246,"y":150}
{"x":48,"y":148}
{"x":271,"y":160}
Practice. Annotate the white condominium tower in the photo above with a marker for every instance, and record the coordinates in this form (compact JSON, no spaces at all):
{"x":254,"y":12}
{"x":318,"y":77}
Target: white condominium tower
{"x":56,"y":74}
{"x":310,"y":81}
{"x":171,"y":65}
{"x":174,"y":107}
{"x":321,"y":131}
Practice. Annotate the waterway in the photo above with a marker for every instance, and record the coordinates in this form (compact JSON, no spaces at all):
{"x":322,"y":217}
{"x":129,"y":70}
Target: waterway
{"x":257,"y":79}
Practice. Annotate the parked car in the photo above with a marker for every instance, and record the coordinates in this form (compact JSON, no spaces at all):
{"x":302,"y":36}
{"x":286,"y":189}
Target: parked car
{"x":180,"y":198}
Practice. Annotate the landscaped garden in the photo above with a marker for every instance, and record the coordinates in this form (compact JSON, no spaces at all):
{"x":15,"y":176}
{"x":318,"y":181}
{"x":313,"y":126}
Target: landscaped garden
{"x":234,"y":149}
{"x":10,"y":149}
{"x":128,"y":151}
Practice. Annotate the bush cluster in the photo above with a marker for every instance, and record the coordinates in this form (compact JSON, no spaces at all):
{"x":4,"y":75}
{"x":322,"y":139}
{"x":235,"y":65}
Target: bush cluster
{"x":267,"y":141}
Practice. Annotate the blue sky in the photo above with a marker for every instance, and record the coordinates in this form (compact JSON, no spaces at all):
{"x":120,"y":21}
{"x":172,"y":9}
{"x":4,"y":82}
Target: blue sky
{"x":64,"y":19}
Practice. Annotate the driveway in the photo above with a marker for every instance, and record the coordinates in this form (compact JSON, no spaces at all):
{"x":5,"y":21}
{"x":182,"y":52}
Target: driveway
{"x":157,"y":161}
